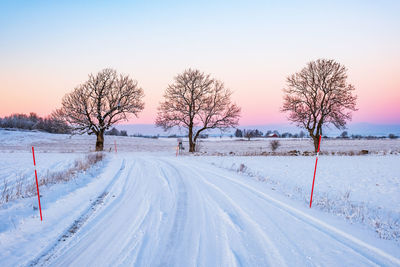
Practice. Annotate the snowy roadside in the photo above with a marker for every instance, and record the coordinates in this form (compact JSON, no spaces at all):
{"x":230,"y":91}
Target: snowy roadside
{"x":23,"y":235}
{"x":361,"y":189}
{"x":17,"y":179}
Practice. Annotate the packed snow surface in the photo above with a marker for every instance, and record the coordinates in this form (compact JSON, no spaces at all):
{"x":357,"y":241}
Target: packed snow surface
{"x":361,"y":189}
{"x":151,"y":208}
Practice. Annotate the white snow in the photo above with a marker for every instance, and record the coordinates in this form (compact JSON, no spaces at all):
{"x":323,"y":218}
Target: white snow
{"x":16,"y":141}
{"x":143,"y":206}
{"x":19,"y":165}
{"x":362,"y":189}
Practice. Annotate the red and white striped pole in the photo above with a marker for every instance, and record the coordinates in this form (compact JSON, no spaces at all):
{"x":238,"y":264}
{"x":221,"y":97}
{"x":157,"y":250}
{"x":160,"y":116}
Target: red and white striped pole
{"x":37,"y":184}
{"x":315,"y":170}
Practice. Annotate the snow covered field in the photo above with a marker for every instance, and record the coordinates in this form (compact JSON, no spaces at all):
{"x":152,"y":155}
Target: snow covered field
{"x":13,"y":141}
{"x":143,"y":206}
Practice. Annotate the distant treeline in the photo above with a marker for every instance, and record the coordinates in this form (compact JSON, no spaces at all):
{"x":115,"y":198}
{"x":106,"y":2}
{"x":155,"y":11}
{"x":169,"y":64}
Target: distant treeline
{"x":53,"y":125}
{"x":345,"y":135}
{"x":253,"y":133}
{"x":114,"y":131}
{"x":34,"y":122}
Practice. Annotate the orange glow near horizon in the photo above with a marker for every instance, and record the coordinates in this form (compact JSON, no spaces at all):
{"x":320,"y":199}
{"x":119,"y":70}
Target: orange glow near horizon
{"x":259,"y":104}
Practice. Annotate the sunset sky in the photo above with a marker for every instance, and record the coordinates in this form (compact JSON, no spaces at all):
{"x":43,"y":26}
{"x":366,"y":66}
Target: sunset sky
{"x":49,"y":47}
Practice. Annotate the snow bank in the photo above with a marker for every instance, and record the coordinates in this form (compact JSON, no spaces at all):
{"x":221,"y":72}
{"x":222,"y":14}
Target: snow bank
{"x":23,"y":235}
{"x":362,"y":189}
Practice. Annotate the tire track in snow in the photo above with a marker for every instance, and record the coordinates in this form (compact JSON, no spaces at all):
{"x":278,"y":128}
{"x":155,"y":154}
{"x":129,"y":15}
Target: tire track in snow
{"x":223,"y":221}
{"x":48,"y":254}
{"x":243,"y":220}
{"x":179,"y":221}
{"x":137,"y":232}
{"x":339,"y":236}
{"x":101,"y":222}
{"x":274,"y":256}
{"x":132,"y":232}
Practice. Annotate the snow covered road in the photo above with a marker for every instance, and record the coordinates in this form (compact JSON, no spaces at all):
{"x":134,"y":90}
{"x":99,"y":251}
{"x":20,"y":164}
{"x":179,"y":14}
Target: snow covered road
{"x":163,"y":211}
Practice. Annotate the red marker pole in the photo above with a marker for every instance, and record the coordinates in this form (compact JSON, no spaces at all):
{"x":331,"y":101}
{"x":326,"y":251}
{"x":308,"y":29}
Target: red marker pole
{"x":37,"y":184}
{"x":115,"y":145}
{"x":315,"y":170}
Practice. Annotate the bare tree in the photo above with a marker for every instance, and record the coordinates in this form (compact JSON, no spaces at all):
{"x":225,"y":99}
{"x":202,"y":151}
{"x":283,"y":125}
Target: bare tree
{"x":103,"y":100}
{"x":252,"y":133}
{"x":197,"y":102}
{"x":344,"y":134}
{"x":319,"y":95}
{"x":248,"y":134}
{"x":238,"y":133}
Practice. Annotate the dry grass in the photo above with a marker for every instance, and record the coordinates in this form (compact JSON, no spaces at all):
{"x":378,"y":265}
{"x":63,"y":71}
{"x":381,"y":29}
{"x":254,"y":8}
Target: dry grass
{"x":5,"y":192}
{"x":295,"y":153}
{"x":21,"y":189}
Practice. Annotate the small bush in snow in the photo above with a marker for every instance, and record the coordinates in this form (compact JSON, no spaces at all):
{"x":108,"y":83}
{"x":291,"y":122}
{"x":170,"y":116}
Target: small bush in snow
{"x":5,"y":192}
{"x":242,"y":168}
{"x":274,"y":144}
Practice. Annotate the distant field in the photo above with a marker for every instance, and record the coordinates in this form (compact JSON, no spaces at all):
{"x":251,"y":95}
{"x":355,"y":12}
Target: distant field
{"x":13,"y":141}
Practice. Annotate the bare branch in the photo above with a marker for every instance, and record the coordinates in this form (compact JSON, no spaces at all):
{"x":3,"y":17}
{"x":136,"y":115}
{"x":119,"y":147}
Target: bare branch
{"x":100,"y":102}
{"x":318,"y":95}
{"x":197,"y":102}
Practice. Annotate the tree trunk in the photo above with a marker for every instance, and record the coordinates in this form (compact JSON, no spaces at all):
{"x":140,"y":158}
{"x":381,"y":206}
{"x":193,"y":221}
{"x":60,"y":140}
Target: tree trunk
{"x":192,"y":145}
{"x":100,"y":141}
{"x":315,"y":136}
{"x":316,"y":141}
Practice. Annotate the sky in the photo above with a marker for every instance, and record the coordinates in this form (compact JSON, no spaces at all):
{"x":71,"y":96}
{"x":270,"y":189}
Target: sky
{"x":49,"y":47}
